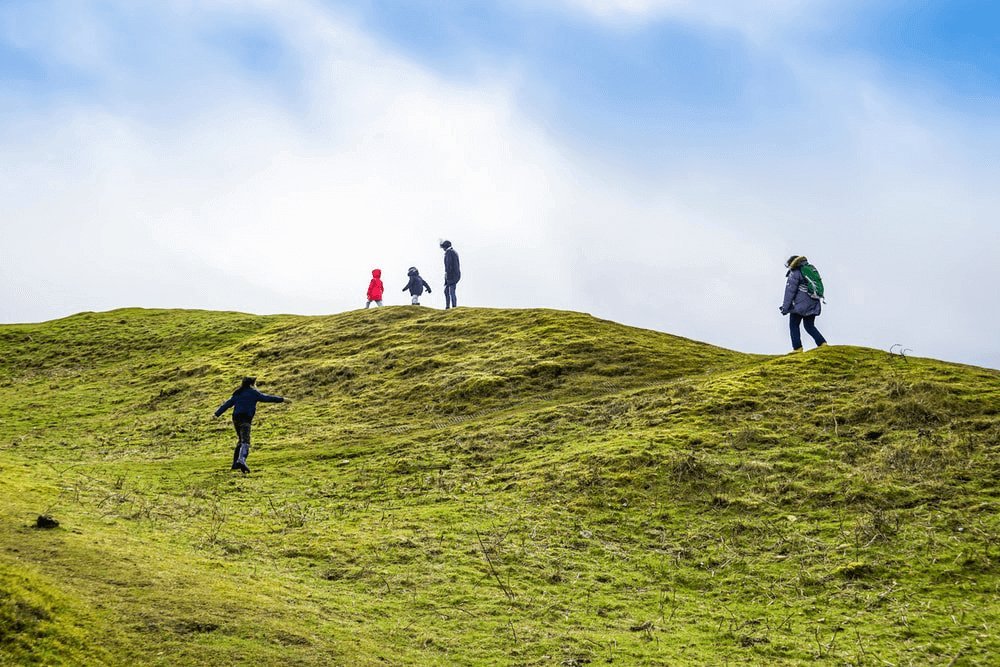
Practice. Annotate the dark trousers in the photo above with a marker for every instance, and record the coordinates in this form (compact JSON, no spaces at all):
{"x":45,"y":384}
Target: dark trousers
{"x":809,"y":323}
{"x":242,"y":425}
{"x":450,"y":301}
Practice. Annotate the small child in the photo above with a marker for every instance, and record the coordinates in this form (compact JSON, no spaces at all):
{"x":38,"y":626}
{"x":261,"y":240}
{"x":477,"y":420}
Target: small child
{"x":416,"y":286}
{"x":375,"y":288}
{"x":244,"y":404}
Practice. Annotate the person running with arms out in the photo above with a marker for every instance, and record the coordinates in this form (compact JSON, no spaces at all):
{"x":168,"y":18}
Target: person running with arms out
{"x":452,"y":274}
{"x":375,"y":288}
{"x":803,"y":294}
{"x":416,"y":286}
{"x":244,"y":404}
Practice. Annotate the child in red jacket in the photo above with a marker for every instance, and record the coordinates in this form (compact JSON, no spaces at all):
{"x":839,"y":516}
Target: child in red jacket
{"x":375,"y":288}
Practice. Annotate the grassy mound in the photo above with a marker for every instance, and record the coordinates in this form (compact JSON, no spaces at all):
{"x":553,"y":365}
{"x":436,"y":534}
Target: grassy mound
{"x":488,"y":487}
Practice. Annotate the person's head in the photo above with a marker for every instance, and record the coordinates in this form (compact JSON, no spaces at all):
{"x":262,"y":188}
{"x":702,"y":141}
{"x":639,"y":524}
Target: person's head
{"x":412,"y":271}
{"x":246,"y":383}
{"x":445,"y":245}
{"x":376,"y":273}
{"x":795,"y":261}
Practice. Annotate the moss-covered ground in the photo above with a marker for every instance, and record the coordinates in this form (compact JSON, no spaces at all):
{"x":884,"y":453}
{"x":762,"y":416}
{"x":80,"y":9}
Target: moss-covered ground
{"x":488,"y":487}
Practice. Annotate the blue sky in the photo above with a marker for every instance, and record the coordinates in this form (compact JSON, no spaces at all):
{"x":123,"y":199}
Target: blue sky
{"x":651,"y":161}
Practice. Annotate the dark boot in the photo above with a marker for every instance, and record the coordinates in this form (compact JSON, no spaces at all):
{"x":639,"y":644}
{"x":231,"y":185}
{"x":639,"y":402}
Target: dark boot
{"x":241,"y":462}
{"x":236,"y":456}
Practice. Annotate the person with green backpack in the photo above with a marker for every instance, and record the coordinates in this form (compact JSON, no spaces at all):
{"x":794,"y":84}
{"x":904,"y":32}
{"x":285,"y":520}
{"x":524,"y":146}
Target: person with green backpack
{"x":803,"y":299}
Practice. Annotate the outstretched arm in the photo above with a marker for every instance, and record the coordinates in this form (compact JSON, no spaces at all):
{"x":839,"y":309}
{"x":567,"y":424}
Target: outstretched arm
{"x":267,"y":398}
{"x":225,"y":406}
{"x":426,"y":286}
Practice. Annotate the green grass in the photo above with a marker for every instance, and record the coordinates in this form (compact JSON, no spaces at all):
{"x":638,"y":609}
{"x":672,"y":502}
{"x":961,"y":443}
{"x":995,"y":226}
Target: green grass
{"x":483,"y":487}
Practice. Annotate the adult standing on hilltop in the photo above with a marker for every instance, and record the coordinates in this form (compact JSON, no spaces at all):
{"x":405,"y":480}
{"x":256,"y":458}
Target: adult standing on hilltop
{"x":244,"y":404}
{"x":802,"y":300}
{"x":452,"y":274}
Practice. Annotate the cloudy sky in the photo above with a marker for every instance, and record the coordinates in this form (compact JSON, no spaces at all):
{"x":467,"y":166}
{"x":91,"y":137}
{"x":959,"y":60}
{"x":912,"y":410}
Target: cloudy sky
{"x":648,"y":161}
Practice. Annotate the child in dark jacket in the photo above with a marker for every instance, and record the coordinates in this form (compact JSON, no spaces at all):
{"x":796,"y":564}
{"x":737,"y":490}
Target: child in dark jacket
{"x":375,"y":288}
{"x":244,"y":404}
{"x":416,"y":286}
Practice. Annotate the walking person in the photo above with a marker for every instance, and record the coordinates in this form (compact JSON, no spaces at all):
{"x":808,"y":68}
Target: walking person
{"x":416,"y":286}
{"x":244,"y":404}
{"x":452,"y":274}
{"x":803,"y":296}
{"x":375,"y":289}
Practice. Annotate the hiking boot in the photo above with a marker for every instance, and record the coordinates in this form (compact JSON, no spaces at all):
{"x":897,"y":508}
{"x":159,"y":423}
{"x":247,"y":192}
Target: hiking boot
{"x":244,"y":468}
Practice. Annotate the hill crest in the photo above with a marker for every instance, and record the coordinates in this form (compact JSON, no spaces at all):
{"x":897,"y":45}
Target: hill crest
{"x":487,"y":487}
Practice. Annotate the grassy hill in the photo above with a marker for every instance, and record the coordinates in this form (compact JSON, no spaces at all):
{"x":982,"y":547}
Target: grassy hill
{"x":483,"y":487}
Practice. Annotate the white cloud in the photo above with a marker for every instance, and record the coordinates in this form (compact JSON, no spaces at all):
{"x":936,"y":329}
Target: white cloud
{"x":755,"y":19}
{"x":238,"y":199}
{"x":386,"y":160}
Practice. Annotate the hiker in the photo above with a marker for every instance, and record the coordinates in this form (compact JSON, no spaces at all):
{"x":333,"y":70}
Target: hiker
{"x":417,"y":285}
{"x":803,"y":292}
{"x":375,"y":289}
{"x":244,"y":404}
{"x":452,"y":274}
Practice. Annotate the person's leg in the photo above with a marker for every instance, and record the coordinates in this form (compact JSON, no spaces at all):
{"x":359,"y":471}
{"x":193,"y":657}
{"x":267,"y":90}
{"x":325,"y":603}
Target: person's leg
{"x":414,"y":300}
{"x":810,"y":327}
{"x":243,"y":428}
{"x":241,"y":463}
{"x":245,"y":432}
{"x":793,"y":328}
{"x":454,"y":295}
{"x":449,"y":297}
{"x":379,"y":303}
{"x":367,"y":304}
{"x":238,"y":421}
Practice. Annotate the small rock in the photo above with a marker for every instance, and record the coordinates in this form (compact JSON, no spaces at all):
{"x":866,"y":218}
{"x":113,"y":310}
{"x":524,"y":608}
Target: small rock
{"x":46,"y":521}
{"x":586,"y":534}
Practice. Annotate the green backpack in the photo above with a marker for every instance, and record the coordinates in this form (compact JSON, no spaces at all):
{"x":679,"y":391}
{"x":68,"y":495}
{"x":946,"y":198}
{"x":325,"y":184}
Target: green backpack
{"x":814,"y":283}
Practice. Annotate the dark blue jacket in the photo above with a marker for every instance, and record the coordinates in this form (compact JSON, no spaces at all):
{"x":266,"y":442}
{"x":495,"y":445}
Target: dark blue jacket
{"x":244,"y":402}
{"x":417,"y":285}
{"x":452,"y":272}
{"x":797,"y":299}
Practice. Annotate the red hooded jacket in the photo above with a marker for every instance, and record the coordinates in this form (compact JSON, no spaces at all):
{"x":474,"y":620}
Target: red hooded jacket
{"x":375,"y":286}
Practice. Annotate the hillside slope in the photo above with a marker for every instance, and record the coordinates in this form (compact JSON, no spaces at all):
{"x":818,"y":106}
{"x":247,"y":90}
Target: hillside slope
{"x":488,"y":487}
